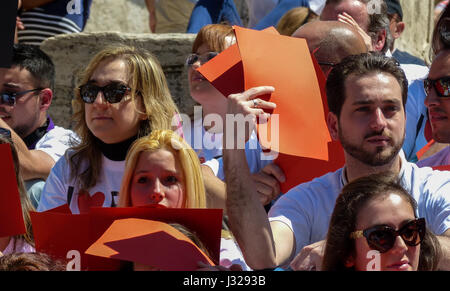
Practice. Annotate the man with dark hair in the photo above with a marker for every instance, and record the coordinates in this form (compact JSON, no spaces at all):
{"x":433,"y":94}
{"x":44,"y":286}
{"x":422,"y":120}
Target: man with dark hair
{"x":366,"y":95}
{"x":26,"y":91}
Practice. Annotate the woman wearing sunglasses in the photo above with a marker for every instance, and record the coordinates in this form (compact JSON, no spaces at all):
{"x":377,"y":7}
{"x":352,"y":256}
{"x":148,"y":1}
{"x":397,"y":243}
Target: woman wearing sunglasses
{"x":123,"y":95}
{"x":374,"y":227}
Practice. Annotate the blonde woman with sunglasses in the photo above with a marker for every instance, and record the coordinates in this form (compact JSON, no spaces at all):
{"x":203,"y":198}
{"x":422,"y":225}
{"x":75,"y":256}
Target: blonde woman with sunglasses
{"x":122,"y":96}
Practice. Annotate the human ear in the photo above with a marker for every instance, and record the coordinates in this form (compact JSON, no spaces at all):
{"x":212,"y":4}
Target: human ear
{"x":46,"y":96}
{"x":333,"y":125}
{"x":380,"y":41}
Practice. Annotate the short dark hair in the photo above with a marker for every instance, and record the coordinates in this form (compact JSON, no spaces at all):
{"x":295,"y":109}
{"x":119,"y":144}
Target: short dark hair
{"x":30,"y":262}
{"x":360,"y":65}
{"x":353,"y":197}
{"x":38,"y":63}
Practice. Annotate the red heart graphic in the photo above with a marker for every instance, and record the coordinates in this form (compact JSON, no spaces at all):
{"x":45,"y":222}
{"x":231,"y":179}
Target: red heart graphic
{"x":86,"y":201}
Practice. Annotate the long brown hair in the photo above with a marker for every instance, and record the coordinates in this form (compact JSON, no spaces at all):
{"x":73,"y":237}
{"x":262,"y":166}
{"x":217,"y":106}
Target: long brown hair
{"x":354,"y":196}
{"x":148,"y":82}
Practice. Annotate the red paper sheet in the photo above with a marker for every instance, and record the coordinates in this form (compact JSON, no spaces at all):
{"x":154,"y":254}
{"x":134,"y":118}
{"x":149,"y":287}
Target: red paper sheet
{"x":62,"y":235}
{"x":151,"y":243}
{"x":10,"y":207}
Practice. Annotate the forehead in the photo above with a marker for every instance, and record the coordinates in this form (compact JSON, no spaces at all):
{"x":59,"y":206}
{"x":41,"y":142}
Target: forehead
{"x":440,"y":66}
{"x":15,"y":75}
{"x":391,"y":209}
{"x":372,"y":87}
{"x":161,"y":158}
{"x":355,"y":8}
{"x":110,"y":70}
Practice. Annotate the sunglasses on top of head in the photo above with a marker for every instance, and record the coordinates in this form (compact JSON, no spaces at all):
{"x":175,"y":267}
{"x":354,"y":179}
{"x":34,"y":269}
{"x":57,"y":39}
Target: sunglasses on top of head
{"x":382,"y":237}
{"x":113,"y":92}
{"x":441,"y":85}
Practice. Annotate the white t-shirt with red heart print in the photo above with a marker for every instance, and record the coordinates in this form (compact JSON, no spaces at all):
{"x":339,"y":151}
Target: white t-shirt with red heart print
{"x":60,"y":189}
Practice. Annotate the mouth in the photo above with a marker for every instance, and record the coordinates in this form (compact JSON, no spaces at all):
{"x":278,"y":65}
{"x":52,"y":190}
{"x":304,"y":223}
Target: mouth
{"x":379,"y":140}
{"x":437,"y":116}
{"x":197,"y":77}
{"x":400,"y":266}
{"x":4,"y":116}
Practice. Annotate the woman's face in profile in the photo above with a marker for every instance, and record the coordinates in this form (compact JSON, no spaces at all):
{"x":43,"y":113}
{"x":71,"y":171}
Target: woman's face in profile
{"x":158,"y":179}
{"x":113,"y":122}
{"x":393,"y":211}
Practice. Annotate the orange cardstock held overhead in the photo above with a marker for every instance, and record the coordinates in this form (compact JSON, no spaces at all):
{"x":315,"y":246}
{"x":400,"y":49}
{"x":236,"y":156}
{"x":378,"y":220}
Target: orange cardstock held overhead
{"x":151,"y":243}
{"x":297,"y":169}
{"x":11,"y":216}
{"x":283,"y":62}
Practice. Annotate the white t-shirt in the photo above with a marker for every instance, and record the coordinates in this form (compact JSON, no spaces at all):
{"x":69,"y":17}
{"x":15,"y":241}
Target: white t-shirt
{"x":56,"y":141}
{"x":306,"y":209}
{"x":60,"y":189}
{"x":231,"y":254}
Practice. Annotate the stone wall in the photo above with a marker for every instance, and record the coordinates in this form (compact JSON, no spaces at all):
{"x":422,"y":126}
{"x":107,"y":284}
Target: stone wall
{"x":126,"y":21}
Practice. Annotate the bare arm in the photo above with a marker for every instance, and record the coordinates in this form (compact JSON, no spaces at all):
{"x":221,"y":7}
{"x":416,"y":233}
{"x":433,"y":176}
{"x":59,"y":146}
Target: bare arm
{"x":152,"y":15}
{"x":34,"y":164}
{"x":263,"y":244}
{"x":444,"y":241}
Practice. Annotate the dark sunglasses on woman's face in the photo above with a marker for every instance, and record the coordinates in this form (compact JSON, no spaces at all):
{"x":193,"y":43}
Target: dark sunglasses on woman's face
{"x":441,"y":85}
{"x":113,"y":92}
{"x":193,"y":58}
{"x":382,"y":237}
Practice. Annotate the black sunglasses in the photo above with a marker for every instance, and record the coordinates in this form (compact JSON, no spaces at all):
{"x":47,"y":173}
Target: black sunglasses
{"x":113,"y":92}
{"x":193,"y":58}
{"x":382,"y":237}
{"x":441,"y":86}
{"x":10,"y":98}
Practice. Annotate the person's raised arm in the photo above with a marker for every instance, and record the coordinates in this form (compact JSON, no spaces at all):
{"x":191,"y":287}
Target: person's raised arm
{"x":263,"y":244}
{"x":34,"y":164}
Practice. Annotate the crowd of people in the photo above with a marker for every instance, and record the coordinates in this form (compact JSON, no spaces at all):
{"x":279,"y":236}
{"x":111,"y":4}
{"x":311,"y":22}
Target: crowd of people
{"x":386,"y":208}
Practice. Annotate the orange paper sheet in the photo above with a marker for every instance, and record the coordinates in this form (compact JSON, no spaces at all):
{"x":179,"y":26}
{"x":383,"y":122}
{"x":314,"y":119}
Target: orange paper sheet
{"x":11,"y":217}
{"x":297,"y":169}
{"x":151,"y":243}
{"x":284,"y":63}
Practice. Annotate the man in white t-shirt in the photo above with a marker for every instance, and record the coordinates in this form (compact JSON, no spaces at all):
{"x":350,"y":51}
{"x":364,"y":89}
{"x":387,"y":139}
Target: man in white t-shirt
{"x":366,"y":98}
{"x":26,"y":94}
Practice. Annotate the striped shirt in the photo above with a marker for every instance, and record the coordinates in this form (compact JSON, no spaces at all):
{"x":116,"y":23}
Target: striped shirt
{"x":58,"y":17}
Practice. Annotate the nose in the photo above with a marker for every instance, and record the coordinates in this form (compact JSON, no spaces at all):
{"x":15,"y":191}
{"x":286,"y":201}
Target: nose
{"x":156,"y":193}
{"x":432,"y":99}
{"x":378,"y":121}
{"x":399,"y":245}
{"x":100,"y":98}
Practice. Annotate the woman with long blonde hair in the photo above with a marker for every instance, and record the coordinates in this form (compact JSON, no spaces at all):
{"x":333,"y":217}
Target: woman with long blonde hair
{"x":123,"y":95}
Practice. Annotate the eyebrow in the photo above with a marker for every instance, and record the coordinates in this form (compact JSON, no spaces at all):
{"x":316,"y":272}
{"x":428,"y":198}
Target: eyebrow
{"x":369,"y":102}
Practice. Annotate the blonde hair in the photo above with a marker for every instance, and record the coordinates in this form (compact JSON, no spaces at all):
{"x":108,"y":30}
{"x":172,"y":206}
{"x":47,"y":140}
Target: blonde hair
{"x":295,"y":18}
{"x":148,"y":83}
{"x":195,"y":196}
